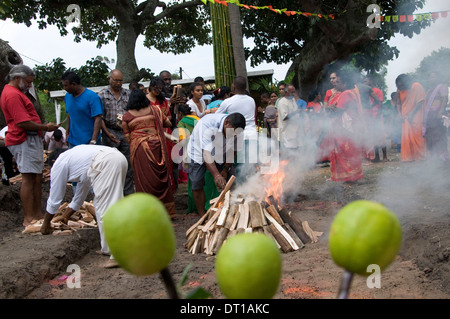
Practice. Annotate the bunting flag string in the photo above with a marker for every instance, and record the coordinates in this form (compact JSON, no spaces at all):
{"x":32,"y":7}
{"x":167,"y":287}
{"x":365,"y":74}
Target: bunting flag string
{"x":385,"y":18}
{"x":271,"y":8}
{"x":415,"y":17}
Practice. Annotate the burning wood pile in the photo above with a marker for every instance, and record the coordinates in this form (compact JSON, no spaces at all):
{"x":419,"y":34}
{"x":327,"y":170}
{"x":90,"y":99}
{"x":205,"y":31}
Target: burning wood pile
{"x":230,"y":215}
{"x":84,"y":217}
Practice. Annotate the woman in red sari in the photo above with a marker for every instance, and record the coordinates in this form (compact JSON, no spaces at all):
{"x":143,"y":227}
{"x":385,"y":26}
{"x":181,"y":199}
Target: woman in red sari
{"x":143,"y":125}
{"x":347,"y":128}
{"x":157,"y":98}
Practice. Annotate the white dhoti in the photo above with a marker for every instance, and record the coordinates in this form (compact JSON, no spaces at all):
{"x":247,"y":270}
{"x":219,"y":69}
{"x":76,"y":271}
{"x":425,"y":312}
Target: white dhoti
{"x":107,"y":174}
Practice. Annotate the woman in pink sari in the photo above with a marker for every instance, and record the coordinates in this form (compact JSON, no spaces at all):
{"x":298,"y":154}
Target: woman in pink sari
{"x":347,"y":128}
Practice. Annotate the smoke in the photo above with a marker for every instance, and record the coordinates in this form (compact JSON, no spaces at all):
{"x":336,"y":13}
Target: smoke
{"x":275,"y":171}
{"x":415,"y":189}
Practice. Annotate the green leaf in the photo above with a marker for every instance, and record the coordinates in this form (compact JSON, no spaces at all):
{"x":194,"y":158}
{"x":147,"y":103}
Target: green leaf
{"x":184,"y":276}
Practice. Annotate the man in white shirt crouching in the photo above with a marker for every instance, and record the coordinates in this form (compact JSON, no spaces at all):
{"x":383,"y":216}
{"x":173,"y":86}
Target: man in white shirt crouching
{"x":101,"y":167}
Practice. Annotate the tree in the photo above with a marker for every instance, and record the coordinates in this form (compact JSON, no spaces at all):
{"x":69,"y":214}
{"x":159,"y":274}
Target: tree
{"x":438,"y":61}
{"x":93,"y":73}
{"x":176,"y":26}
{"x":312,"y":44}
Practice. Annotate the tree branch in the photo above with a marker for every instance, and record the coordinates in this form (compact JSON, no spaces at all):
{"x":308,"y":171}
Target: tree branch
{"x":168,"y":11}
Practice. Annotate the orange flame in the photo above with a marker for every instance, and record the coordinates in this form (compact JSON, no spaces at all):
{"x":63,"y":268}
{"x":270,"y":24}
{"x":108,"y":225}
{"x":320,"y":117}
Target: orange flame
{"x":274,"y":183}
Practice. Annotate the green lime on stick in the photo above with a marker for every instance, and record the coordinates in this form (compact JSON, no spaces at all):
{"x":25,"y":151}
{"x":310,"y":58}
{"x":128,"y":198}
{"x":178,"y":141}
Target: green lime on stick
{"x":139,"y":233}
{"x":364,"y":233}
{"x":248,"y":266}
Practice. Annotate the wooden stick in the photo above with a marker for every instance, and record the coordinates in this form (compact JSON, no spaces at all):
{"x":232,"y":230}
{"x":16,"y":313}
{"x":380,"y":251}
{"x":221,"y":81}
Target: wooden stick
{"x":225,"y":190}
{"x":224,"y":211}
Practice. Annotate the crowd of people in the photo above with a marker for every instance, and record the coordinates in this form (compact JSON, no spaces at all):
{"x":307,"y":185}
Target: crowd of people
{"x":125,"y":140}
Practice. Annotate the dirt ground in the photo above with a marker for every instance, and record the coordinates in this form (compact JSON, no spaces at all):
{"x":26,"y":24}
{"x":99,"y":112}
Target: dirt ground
{"x":35,"y":266}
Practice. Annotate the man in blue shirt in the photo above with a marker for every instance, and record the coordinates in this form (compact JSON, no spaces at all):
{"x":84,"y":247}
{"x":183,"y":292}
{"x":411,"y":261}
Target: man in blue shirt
{"x":84,"y":108}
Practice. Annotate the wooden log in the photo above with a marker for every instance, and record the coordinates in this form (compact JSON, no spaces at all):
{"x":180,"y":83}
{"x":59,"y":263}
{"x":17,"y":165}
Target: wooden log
{"x":311,"y":233}
{"x":196,"y":248}
{"x":273,"y":201}
{"x":230,"y":216}
{"x":91,"y":224}
{"x":223,"y":233}
{"x":296,"y":225}
{"x":191,"y":238}
{"x":213,"y":241}
{"x":282,"y":231}
{"x":73,"y":224}
{"x":257,"y":218}
{"x":274,"y":213}
{"x":237,"y":215}
{"x":266,"y":230}
{"x":211,"y":221}
{"x":216,"y":204}
{"x":91,"y":209}
{"x":243,"y":216}
{"x":280,"y":239}
{"x":32,"y":229}
{"x":62,"y":232}
{"x":231,"y":233}
{"x":62,"y":207}
{"x":294,"y":236}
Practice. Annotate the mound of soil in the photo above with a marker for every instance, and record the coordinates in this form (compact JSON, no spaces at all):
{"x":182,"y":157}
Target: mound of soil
{"x":35,"y":266}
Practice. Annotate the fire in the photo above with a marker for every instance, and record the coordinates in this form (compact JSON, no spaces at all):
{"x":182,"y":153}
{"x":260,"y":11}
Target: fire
{"x":273,"y":185}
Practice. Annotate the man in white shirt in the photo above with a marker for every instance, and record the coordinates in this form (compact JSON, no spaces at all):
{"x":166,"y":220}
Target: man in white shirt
{"x":212,"y":146}
{"x":292,"y":122}
{"x":101,"y":167}
{"x":243,"y":103}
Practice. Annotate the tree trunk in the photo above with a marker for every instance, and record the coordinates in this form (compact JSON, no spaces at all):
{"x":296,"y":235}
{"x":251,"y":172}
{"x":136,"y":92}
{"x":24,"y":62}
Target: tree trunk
{"x":8,"y":59}
{"x":126,"y":59}
{"x":333,"y":42}
{"x":237,"y":40}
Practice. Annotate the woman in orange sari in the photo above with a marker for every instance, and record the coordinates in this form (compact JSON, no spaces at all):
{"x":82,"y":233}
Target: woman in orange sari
{"x":143,"y":125}
{"x":411,"y":108}
{"x":347,"y":128}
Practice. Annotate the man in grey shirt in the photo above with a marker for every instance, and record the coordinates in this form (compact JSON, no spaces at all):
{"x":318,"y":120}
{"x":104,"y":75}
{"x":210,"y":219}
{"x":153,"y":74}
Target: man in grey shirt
{"x":115,"y":99}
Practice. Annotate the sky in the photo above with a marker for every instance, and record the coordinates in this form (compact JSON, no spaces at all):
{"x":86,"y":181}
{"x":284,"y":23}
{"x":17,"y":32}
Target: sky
{"x":42,"y":46}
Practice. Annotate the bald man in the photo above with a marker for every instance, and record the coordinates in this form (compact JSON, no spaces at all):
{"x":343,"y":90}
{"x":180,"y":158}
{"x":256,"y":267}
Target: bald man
{"x":115,"y":99}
